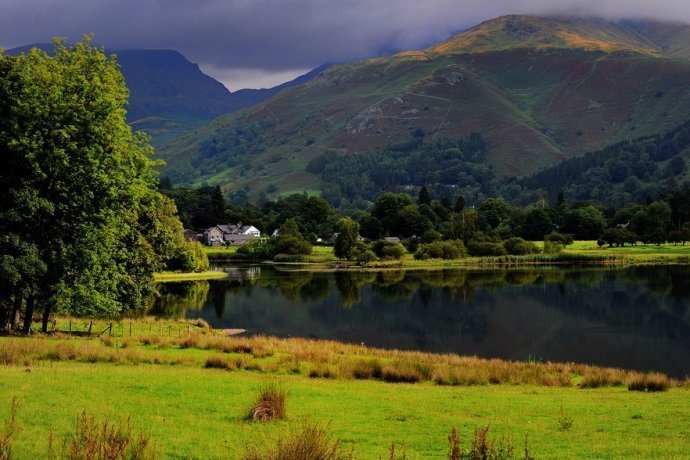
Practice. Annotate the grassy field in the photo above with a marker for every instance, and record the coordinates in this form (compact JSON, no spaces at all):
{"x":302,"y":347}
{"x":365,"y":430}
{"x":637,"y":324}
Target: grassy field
{"x":191,"y":394}
{"x":649,"y":253}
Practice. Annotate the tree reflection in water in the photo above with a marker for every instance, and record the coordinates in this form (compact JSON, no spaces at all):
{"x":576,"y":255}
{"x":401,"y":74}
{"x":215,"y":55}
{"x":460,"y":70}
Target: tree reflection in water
{"x":635,"y":317}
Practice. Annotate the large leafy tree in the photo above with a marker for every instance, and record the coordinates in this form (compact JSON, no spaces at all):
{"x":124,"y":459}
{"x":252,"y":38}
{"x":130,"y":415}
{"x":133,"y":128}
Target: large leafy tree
{"x":345,"y":242}
{"x":78,"y":195}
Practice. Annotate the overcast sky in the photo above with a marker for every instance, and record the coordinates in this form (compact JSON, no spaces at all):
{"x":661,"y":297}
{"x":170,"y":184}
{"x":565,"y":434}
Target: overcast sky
{"x":260,"y":43}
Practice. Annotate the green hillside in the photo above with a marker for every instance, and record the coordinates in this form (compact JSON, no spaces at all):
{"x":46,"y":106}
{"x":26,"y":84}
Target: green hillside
{"x":538,"y":90}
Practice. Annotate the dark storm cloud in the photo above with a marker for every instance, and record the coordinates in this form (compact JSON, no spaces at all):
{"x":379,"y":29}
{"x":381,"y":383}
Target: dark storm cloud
{"x":277,"y":35}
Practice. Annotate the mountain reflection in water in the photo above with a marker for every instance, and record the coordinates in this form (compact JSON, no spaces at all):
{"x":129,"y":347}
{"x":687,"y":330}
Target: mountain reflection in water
{"x":635,"y":318}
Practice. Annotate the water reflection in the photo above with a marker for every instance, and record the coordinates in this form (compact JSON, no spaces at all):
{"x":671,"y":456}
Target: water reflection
{"x":634,"y":318}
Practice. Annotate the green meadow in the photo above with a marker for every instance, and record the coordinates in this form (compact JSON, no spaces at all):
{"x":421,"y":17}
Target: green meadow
{"x":191,"y":393}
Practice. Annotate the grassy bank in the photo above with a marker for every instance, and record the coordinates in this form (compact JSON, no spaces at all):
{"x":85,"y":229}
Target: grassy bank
{"x":163,"y":277}
{"x":579,"y":253}
{"x":220,"y":252}
{"x":190,"y":391}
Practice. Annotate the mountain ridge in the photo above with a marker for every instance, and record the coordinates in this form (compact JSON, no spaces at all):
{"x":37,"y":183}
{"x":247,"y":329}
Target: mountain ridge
{"x":536,"y":97}
{"x":170,"y":95}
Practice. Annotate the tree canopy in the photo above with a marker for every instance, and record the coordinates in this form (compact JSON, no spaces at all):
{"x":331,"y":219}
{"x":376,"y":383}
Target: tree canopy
{"x":82,"y":226}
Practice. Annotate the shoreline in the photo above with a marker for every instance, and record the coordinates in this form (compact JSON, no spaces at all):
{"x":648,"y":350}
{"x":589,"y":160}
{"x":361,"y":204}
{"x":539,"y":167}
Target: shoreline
{"x":172,"y":277}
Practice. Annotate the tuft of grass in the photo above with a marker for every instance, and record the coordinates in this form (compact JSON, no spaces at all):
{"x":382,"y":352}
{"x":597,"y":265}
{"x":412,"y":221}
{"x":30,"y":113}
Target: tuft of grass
{"x":454,"y":449}
{"x":312,"y":442}
{"x":217,"y":362}
{"x":271,"y":404}
{"x":393,"y":455}
{"x":652,"y":382}
{"x":9,"y":431}
{"x":484,"y":448}
{"x":602,"y":377}
{"x":403,"y":371}
{"x":94,"y":440}
{"x":366,"y":369}
{"x":565,"y":423}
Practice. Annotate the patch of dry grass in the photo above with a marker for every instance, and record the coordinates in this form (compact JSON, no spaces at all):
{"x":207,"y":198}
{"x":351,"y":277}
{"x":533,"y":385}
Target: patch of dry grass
{"x":320,"y":359}
{"x":312,"y":442}
{"x":96,"y":440}
{"x":270,"y":404}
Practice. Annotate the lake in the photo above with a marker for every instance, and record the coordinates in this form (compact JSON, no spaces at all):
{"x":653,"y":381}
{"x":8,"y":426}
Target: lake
{"x":634,"y":318}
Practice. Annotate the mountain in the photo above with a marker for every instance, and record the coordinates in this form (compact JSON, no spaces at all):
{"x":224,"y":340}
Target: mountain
{"x":170,"y":95}
{"x":244,"y":98}
{"x":538,"y":90}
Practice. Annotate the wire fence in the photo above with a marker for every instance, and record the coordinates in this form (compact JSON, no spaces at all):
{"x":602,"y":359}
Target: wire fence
{"x":121,"y":328}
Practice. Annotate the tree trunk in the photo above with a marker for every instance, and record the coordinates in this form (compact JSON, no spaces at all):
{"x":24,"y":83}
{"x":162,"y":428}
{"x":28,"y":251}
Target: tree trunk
{"x":4,"y":317}
{"x":46,"y":317}
{"x":28,"y":315}
{"x":14,"y":318}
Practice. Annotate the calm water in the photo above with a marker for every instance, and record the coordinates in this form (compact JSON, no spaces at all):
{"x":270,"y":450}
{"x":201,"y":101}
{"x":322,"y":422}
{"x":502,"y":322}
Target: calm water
{"x":635,"y":318}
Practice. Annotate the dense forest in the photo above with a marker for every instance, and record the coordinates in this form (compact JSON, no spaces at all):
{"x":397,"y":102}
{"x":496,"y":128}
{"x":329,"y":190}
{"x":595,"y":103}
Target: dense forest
{"x":433,"y":227}
{"x":452,"y":166}
{"x":628,"y":172}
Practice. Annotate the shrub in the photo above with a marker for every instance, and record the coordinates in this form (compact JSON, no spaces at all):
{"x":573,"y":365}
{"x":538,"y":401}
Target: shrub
{"x":189,"y":257}
{"x":441,"y":250}
{"x":270,"y":404}
{"x":292,"y":245}
{"x":310,"y":443}
{"x":519,"y":247}
{"x":551,"y":247}
{"x":259,"y":250}
{"x":388,"y":250}
{"x":485,"y":248}
{"x":361,"y":253}
{"x":559,"y":238}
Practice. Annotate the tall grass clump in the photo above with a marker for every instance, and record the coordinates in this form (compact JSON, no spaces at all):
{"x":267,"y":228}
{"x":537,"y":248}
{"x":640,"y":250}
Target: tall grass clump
{"x":602,"y":377}
{"x":94,"y":440}
{"x":483,"y":447}
{"x":565,"y":423}
{"x":652,"y":382}
{"x":8,"y":431}
{"x":312,"y":442}
{"x":12,"y":352}
{"x":270,"y":404}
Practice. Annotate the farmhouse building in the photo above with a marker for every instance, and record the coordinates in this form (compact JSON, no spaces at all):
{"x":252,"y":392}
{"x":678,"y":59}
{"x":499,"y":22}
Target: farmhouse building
{"x":230,"y":234}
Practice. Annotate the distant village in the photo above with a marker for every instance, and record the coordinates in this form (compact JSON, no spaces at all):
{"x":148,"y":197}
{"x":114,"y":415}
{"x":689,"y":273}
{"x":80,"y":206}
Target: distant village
{"x":239,"y":234}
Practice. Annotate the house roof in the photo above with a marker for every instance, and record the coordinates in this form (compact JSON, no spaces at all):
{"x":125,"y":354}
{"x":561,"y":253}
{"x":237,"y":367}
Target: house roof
{"x":230,"y":229}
